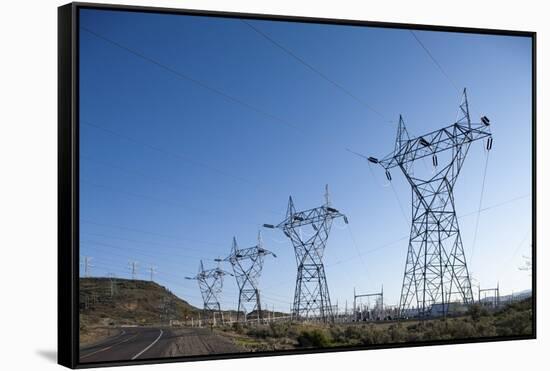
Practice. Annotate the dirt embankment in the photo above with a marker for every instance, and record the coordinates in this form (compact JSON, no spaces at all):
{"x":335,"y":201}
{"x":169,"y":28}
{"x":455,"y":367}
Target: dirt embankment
{"x":90,"y":336}
{"x":198,"y":341}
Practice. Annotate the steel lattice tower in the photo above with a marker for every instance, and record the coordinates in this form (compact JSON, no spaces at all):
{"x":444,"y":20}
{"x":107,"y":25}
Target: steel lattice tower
{"x":247,"y":266}
{"x":210,"y":284}
{"x":435,"y":269}
{"x":311,"y":295}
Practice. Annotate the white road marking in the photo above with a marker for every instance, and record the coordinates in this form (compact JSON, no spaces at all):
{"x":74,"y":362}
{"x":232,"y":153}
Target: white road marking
{"x":109,"y":347}
{"x":149,"y":346}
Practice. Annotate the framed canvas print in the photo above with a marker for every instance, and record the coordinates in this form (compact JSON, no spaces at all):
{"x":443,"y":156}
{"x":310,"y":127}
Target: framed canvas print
{"x":237,"y":185}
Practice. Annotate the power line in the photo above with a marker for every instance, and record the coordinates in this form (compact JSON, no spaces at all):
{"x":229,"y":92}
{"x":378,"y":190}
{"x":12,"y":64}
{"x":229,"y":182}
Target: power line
{"x":124,"y":256}
{"x":108,"y":267}
{"x":340,"y":261}
{"x":516,"y":250}
{"x":405,"y":237}
{"x":186,"y":296}
{"x":180,"y":279}
{"x":146,"y":197}
{"x":132,"y":229}
{"x":193,"y":80}
{"x":157,"y":200}
{"x":217,"y":91}
{"x":172,"y":184}
{"x":435,"y":61}
{"x":439,"y":66}
{"x":315,"y":70}
{"x":496,"y":205}
{"x":354,"y":243}
{"x":375,"y":179}
{"x":134,"y":250}
{"x":479,"y":206}
{"x":178,"y":248}
{"x":400,"y":204}
{"x":177,"y":155}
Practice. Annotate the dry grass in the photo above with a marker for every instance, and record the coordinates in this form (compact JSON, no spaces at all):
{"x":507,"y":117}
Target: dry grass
{"x":514,"y":320}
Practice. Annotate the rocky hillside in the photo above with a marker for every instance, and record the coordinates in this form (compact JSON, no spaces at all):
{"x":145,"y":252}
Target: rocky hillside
{"x":119,"y":302}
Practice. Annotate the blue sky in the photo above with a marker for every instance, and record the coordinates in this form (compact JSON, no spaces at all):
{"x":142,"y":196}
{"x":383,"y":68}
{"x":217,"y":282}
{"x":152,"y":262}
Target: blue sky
{"x":206,"y":135}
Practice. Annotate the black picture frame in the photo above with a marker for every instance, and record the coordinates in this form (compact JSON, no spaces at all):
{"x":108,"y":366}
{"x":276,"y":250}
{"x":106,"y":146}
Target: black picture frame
{"x":68,"y":178}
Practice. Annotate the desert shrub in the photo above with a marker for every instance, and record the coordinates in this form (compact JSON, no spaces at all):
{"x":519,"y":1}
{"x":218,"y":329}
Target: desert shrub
{"x":434,"y":330}
{"x":412,"y":327}
{"x":279,"y":330}
{"x":375,"y":335}
{"x":238,"y":327}
{"x":519,"y":306}
{"x":397,"y":333}
{"x":354,"y":332}
{"x":477,"y":311}
{"x":414,"y":337}
{"x":258,"y":331}
{"x":314,"y":338}
{"x":338,"y":334}
{"x":485,"y":328}
{"x":514,"y":323}
{"x":461,"y":329}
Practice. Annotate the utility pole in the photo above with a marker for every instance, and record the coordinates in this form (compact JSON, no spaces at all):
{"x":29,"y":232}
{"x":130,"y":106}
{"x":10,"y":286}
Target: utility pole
{"x":498,"y":294}
{"x":133,"y":266}
{"x":382,"y":308}
{"x":311,"y":295}
{"x":152,"y":272}
{"x":247,"y":267}
{"x":435,"y":269}
{"x":87,"y":266}
{"x":112,"y":278}
{"x":354,"y":305}
{"x":346,"y":312}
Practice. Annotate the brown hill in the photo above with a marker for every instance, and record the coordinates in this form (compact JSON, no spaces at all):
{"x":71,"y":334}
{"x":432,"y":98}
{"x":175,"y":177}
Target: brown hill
{"x":120,"y":302}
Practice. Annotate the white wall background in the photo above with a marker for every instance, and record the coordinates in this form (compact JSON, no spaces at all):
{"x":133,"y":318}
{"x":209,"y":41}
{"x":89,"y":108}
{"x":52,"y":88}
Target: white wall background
{"x":28,"y":181}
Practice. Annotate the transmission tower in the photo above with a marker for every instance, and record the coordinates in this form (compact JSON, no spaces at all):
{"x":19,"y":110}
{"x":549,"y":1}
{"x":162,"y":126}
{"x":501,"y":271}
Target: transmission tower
{"x":247,"y":266}
{"x":152,"y":272}
{"x":133,"y":267}
{"x":210,"y":284}
{"x":311,"y":296}
{"x":87,"y":266}
{"x":113,"y":288}
{"x":435,"y":269}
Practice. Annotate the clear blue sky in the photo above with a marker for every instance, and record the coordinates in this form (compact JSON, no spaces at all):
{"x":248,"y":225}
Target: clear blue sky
{"x":171,"y":171}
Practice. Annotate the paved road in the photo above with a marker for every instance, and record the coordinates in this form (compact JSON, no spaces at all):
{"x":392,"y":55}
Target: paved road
{"x":144,"y":342}
{"x":131,"y":343}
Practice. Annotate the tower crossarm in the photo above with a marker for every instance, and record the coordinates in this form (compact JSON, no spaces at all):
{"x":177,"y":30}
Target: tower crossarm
{"x":447,"y":138}
{"x":312,"y":216}
{"x":248,"y":253}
